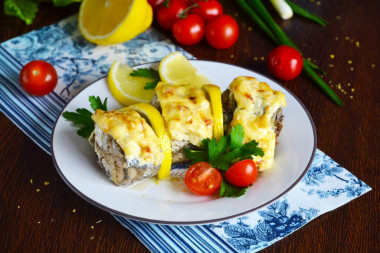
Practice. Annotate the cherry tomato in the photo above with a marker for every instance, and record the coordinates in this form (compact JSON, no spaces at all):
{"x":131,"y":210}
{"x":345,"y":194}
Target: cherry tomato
{"x":242,"y":173}
{"x":208,"y":9}
{"x":168,"y":14}
{"x":222,"y":32}
{"x":155,"y":3}
{"x":285,"y":62}
{"x":189,"y":30}
{"x":38,"y":78}
{"x":202,"y":179}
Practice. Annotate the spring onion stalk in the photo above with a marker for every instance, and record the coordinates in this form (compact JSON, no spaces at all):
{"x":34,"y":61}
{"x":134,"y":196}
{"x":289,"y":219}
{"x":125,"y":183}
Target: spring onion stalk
{"x":243,"y":4}
{"x":306,"y":14}
{"x":283,"y":9}
{"x":309,"y":68}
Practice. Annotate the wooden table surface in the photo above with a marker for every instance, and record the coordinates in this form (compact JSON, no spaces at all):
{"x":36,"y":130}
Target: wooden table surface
{"x":45,"y":221}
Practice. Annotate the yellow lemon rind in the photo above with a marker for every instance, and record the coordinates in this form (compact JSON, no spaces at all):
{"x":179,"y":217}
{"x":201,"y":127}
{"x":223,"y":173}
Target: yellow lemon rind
{"x":215,"y":96}
{"x":158,"y":125}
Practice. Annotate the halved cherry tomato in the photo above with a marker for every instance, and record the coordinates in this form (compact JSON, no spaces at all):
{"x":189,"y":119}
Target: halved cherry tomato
{"x":208,"y":9}
{"x":189,"y":30}
{"x":168,"y":13}
{"x":285,"y":62}
{"x":222,"y":32}
{"x":38,"y":78}
{"x":203,"y":179}
{"x":242,"y":173}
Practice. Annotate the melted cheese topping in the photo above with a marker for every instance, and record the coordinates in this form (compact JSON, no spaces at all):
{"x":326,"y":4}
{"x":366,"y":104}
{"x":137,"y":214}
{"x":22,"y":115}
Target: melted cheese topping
{"x":186,"y":111}
{"x":134,"y":135}
{"x":256,"y":105}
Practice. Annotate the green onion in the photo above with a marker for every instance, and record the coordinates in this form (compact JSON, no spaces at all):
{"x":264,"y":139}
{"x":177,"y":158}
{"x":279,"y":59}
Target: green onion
{"x":255,"y":7}
{"x":283,"y":8}
{"x":306,"y":14}
{"x":257,"y":19}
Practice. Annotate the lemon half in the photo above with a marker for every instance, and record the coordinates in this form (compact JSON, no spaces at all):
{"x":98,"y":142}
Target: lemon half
{"x":158,"y":125}
{"x":176,"y":69}
{"x":128,"y":89}
{"x":107,"y":22}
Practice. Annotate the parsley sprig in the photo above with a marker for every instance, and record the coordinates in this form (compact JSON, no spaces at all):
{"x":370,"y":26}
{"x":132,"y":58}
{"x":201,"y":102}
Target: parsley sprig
{"x":230,"y":149}
{"x":82,"y":116}
{"x":147,"y":73}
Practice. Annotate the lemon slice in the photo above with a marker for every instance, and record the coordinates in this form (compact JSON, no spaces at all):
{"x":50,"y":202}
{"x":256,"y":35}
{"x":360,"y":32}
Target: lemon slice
{"x":215,"y":96}
{"x":175,"y":68}
{"x":107,"y":22}
{"x":125,"y":88}
{"x":158,"y":125}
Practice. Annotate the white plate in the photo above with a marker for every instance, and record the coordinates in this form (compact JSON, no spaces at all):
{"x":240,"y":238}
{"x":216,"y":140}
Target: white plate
{"x":169,"y":202}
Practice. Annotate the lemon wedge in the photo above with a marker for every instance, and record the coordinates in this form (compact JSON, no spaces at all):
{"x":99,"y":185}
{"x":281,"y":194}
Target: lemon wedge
{"x":158,"y":125}
{"x":175,"y":68}
{"x":107,"y":22}
{"x":215,"y":96}
{"x":125,"y":88}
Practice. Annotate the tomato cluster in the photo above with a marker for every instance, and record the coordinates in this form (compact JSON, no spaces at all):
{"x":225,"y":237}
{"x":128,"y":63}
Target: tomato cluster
{"x":191,"y":20}
{"x":203,"y":179}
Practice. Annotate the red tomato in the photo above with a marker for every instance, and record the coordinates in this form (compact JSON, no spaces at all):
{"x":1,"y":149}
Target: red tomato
{"x":155,"y":3}
{"x":222,"y":32}
{"x":189,"y":30}
{"x":242,"y":173}
{"x":208,"y":9}
{"x":202,"y":179}
{"x":38,"y":78}
{"x":168,"y":14}
{"x":285,"y":62}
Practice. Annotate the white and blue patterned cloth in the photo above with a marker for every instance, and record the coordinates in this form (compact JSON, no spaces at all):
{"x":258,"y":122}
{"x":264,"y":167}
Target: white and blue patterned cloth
{"x":325,"y":187}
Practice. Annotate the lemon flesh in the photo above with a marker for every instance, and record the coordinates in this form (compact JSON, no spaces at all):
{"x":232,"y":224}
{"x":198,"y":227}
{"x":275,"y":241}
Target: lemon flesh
{"x":107,"y":22}
{"x":128,"y":89}
{"x":215,"y":96}
{"x":176,"y":69}
{"x":158,"y":125}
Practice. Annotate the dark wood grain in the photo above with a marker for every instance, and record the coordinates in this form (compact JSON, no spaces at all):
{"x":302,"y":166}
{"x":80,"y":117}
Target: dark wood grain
{"x":39,"y":212}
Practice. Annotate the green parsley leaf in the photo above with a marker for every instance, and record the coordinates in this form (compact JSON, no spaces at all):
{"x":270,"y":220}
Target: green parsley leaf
{"x":23,"y":9}
{"x":147,"y":73}
{"x":82,"y":116}
{"x":229,"y":190}
{"x":237,"y":136}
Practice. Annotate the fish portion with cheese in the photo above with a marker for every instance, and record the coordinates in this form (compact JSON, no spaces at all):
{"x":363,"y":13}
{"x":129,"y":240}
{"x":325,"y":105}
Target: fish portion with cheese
{"x":126,"y":146}
{"x":187,"y":113}
{"x":256,"y":107}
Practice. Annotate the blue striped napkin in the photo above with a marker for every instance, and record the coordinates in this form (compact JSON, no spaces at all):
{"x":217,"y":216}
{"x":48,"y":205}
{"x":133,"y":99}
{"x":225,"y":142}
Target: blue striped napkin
{"x":325,"y":187}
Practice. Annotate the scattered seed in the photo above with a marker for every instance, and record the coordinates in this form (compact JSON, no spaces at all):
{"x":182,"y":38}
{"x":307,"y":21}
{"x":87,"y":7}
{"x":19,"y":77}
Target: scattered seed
{"x":352,"y":90}
{"x":37,"y":190}
{"x":98,"y":221}
{"x":347,"y":38}
{"x":352,"y":69}
{"x":74,"y":210}
{"x":331,"y":65}
{"x":349,"y":62}
{"x":47,"y":183}
{"x":92,"y":227}
{"x":373,"y":65}
{"x":349,"y":84}
{"x":52,"y":220}
{"x":31,"y":181}
{"x":338,"y":17}
{"x":92,"y":237}
{"x":351,"y":97}
{"x":318,"y":3}
{"x":18,"y":207}
{"x":249,"y":28}
{"x":262,"y":58}
{"x":232,"y":56}
{"x":255,"y":58}
{"x":38,"y":222}
{"x":357,"y":44}
{"x":332,"y":56}
{"x":336,"y":38}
